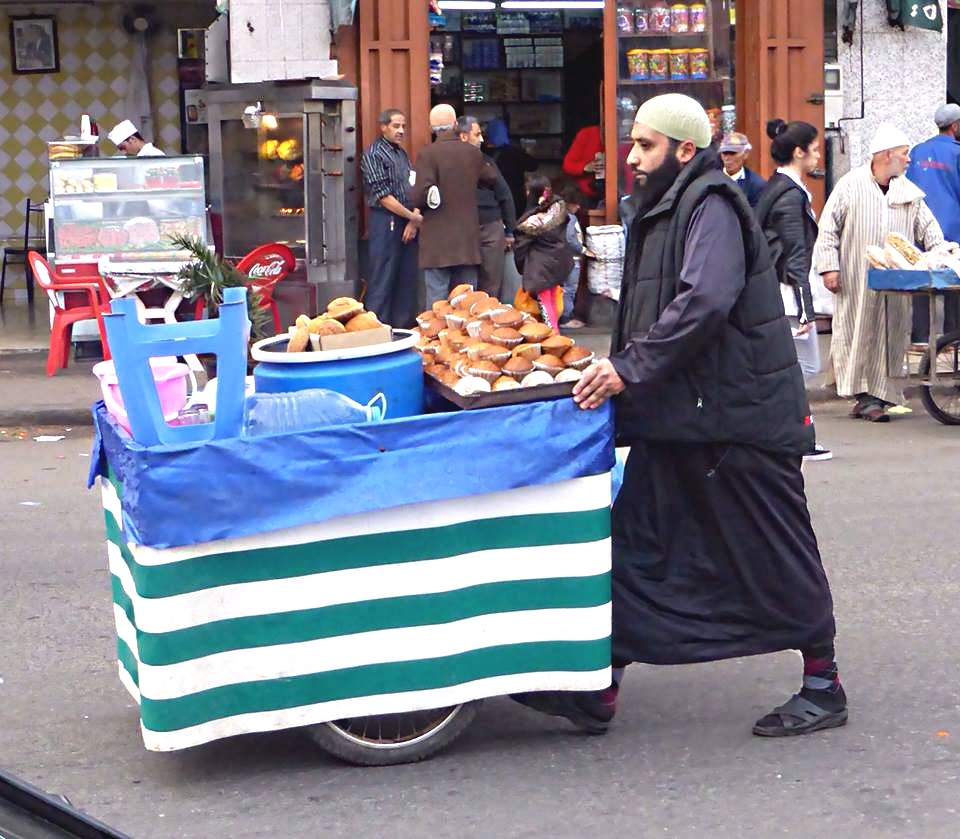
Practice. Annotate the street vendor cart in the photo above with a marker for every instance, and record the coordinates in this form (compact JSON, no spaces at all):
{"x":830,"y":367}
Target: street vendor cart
{"x":938,"y":369}
{"x":369,"y":583}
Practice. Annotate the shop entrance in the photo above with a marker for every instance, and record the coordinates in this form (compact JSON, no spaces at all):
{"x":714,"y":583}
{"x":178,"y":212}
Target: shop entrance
{"x":538,"y":71}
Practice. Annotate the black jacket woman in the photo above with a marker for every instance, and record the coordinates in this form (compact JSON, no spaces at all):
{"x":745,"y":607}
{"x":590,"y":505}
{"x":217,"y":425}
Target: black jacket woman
{"x":785,"y":214}
{"x":787,"y":219}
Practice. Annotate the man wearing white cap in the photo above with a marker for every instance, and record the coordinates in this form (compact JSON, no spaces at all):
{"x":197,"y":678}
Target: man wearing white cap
{"x":130,"y":142}
{"x":714,"y":555}
{"x":870,"y":334}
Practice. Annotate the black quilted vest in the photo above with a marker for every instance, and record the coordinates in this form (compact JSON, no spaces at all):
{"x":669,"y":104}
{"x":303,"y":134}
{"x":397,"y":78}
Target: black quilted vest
{"x":745,"y":385}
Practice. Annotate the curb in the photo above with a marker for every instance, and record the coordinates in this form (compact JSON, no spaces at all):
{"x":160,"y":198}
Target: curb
{"x":72,"y":417}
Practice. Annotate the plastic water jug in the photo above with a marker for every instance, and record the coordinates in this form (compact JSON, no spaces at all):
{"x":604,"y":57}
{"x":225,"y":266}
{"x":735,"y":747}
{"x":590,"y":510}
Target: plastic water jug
{"x":305,"y":410}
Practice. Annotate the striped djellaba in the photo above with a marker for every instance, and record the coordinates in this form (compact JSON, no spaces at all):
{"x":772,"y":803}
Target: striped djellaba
{"x":870,"y":329}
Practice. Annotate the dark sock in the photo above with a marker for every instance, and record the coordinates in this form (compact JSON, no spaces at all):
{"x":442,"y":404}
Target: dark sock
{"x":821,"y":681}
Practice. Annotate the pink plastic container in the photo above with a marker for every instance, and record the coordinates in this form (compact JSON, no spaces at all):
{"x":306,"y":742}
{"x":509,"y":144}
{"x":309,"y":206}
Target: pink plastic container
{"x":169,"y":374}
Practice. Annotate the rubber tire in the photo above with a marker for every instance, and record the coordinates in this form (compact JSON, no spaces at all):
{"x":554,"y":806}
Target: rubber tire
{"x":349,"y":751}
{"x":928,"y":401}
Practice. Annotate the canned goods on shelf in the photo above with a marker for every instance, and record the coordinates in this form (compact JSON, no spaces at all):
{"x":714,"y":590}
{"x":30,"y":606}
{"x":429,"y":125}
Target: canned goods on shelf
{"x":679,"y":65}
{"x":679,"y":18}
{"x":638,"y":64}
{"x":641,"y":20}
{"x":698,"y":17}
{"x":659,"y":63}
{"x":699,"y":63}
{"x":624,"y":19}
{"x":659,"y":18}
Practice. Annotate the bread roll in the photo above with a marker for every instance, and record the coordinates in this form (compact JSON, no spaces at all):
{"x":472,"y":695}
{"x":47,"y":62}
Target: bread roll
{"x":299,"y":339}
{"x":359,"y":323}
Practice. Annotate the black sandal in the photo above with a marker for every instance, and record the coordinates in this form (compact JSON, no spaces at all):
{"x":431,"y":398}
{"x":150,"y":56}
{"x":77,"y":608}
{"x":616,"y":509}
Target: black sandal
{"x":798,"y":716}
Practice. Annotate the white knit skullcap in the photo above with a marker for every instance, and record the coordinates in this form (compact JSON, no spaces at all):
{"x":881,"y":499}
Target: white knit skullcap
{"x":888,"y":137}
{"x":678,"y":117}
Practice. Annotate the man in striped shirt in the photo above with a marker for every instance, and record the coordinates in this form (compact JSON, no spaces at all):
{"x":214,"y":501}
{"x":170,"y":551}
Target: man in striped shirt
{"x":393,"y":224}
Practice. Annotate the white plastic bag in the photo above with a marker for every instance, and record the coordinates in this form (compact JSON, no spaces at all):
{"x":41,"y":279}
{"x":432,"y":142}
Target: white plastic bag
{"x":822,"y":299}
{"x":605,"y":273}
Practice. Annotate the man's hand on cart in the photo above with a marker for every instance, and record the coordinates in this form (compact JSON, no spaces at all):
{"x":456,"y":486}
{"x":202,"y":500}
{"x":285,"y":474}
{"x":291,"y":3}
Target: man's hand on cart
{"x":831,"y":281}
{"x":599,"y":382}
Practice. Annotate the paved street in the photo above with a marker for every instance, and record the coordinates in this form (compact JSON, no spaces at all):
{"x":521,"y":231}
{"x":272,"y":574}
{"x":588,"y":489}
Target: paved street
{"x":679,"y":761}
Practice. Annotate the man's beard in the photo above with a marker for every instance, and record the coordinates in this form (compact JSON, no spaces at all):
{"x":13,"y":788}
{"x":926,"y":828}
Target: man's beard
{"x":648,"y":190}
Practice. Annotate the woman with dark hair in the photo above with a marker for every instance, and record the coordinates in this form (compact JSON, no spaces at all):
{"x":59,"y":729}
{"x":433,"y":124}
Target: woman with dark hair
{"x":543,"y":258}
{"x":788,"y":220}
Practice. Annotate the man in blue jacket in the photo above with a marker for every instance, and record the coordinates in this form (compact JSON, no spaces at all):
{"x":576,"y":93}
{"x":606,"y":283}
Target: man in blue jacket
{"x":935,"y":168}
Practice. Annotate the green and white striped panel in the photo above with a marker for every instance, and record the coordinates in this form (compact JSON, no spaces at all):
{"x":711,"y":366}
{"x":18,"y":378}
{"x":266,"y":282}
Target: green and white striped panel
{"x":403,"y":609}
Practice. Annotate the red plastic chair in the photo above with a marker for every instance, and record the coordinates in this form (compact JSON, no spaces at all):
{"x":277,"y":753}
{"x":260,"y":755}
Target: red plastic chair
{"x":266,"y":266}
{"x":72,"y":301}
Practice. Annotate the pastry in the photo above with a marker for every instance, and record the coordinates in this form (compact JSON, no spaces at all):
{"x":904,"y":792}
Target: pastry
{"x":476,"y":349}
{"x":556,"y":345}
{"x":448,"y":377}
{"x":470,"y":385}
{"x":470,"y":299}
{"x":530,"y":351}
{"x":299,"y":338}
{"x":326,"y":326}
{"x":359,"y":323}
{"x":441,"y":308}
{"x":426,"y":317}
{"x":549,"y":364}
{"x":506,"y":383}
{"x":433,"y":328}
{"x":456,"y":319}
{"x":903,"y":247}
{"x":302,"y":320}
{"x":484,"y":369}
{"x":877,"y":257}
{"x":495,"y":353}
{"x":508,"y":317}
{"x":344,"y":308}
{"x":534,"y":332}
{"x":578,"y":358}
{"x":486,"y":330}
{"x":487,"y":304}
{"x":506,"y":337}
{"x":458,"y":293}
{"x":474,"y":327}
{"x":568,"y":375}
{"x":536,"y":378}
{"x":518,"y":367}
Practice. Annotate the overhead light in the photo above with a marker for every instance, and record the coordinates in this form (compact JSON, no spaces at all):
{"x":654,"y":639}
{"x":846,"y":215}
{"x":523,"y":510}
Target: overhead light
{"x":550,"y":5}
{"x":269,"y":121}
{"x":467,"y":5}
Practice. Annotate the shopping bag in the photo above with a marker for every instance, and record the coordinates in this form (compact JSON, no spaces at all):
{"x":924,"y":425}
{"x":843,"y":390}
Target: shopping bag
{"x":822,"y":299}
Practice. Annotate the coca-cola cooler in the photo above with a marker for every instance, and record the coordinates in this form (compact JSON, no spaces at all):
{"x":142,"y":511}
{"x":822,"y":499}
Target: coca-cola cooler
{"x":283,"y":169}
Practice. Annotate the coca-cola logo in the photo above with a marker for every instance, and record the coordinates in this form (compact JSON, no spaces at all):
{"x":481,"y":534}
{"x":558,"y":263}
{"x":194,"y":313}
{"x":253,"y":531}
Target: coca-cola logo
{"x":268,"y":267}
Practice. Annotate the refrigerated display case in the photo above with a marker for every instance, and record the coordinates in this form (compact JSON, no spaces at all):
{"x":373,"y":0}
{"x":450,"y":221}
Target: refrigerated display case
{"x":127,"y":208}
{"x":283,"y":169}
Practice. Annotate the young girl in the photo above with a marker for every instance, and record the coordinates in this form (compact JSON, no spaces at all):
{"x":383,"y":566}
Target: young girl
{"x":541,"y":252}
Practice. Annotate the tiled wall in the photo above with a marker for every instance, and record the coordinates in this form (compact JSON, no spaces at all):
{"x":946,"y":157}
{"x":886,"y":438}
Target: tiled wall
{"x":279,"y":39}
{"x":94,"y":59}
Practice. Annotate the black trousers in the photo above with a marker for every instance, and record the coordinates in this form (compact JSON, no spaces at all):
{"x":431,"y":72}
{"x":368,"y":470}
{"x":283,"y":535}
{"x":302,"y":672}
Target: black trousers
{"x":921,"y":316}
{"x":392,"y":284}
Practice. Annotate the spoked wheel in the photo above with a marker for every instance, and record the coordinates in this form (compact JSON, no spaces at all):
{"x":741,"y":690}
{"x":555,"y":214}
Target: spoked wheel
{"x":943,"y":401}
{"x":386,"y":739}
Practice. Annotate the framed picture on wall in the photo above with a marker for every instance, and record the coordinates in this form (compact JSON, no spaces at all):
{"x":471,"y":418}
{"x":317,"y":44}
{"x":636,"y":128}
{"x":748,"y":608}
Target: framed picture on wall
{"x":33,"y":44}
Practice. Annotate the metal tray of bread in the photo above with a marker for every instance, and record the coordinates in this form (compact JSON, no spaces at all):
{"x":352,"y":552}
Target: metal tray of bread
{"x":517,"y":396}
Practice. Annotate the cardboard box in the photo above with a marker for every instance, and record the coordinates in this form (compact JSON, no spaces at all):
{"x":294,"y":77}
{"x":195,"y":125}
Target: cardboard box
{"x":349,"y":340}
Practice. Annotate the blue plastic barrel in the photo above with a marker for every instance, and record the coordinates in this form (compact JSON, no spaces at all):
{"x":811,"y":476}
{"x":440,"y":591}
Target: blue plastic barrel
{"x":397,"y":375}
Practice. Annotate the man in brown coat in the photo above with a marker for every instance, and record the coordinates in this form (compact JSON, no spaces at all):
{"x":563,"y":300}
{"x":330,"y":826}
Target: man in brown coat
{"x":448,"y":173}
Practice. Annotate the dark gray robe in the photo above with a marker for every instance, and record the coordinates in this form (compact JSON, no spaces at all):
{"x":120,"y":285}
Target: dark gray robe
{"x":713,"y":550}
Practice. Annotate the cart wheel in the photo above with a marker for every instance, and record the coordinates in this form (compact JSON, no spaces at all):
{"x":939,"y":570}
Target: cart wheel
{"x":943,"y":401}
{"x":393,"y":738}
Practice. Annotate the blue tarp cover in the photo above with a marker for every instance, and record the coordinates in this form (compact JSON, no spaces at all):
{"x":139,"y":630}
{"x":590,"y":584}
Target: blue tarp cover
{"x":240,"y":487}
{"x":893,"y":279}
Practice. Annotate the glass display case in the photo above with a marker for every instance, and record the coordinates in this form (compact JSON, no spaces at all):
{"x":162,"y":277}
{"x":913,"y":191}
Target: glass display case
{"x":283,"y":168}
{"x":673,"y":47}
{"x":127,"y":208}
